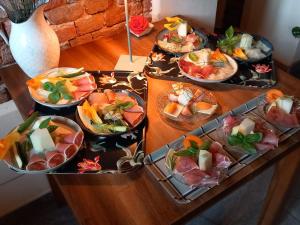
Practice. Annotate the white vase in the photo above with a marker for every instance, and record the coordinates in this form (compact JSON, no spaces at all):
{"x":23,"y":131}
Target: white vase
{"x":33,"y":44}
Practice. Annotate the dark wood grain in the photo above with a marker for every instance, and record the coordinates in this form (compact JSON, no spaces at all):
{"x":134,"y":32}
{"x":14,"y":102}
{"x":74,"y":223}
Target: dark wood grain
{"x":136,"y":198}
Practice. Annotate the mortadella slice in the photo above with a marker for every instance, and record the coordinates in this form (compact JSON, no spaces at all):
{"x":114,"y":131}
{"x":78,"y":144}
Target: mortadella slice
{"x":67,"y":149}
{"x":36,"y":162}
{"x":54,"y":158}
{"x":74,"y":138}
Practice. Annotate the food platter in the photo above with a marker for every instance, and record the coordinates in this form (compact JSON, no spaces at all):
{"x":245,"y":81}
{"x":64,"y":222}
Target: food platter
{"x":139,"y":101}
{"x":63,"y":75}
{"x":224,"y":72}
{"x":13,"y":158}
{"x":192,"y":120}
{"x":160,"y":36}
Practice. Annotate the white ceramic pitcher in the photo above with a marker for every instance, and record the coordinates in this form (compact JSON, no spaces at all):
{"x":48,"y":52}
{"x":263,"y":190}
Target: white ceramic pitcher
{"x":33,"y":44}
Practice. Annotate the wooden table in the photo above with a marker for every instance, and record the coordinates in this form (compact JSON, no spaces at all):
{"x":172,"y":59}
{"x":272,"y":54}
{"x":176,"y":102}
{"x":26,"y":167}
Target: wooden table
{"x":136,"y":198}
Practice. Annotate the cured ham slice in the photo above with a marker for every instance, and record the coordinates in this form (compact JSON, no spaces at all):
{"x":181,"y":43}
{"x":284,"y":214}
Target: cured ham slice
{"x":136,"y":109}
{"x":84,"y":80}
{"x":133,"y":117}
{"x":77,"y":95}
{"x":264,"y":147}
{"x":87,"y":87}
{"x":98,"y":99}
{"x":185,"y":164}
{"x":220,"y":160}
{"x":281,"y":118}
{"x":111,"y":95}
{"x":54,"y":158}
{"x":269,"y":137}
{"x":191,"y":37}
{"x":228,"y":123}
{"x":74,"y":138}
{"x":123,"y":97}
{"x":67,"y":149}
{"x":194,"y":176}
{"x":36,"y":162}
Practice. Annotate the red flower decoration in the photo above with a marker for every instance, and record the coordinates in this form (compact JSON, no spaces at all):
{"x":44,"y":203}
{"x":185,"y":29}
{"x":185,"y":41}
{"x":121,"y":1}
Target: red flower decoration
{"x":262,"y":68}
{"x":89,"y":165}
{"x":138,"y":24}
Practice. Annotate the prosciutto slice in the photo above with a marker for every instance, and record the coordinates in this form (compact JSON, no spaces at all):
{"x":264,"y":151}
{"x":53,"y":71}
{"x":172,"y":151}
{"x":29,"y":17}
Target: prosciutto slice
{"x":123,"y":97}
{"x":264,"y":147}
{"x":281,"y":118}
{"x":74,"y":138}
{"x":185,"y":164}
{"x":228,"y":123}
{"x":111,"y":95}
{"x":77,"y":95}
{"x":269,"y":136}
{"x":133,"y":117}
{"x":84,"y":80}
{"x":36,"y":162}
{"x":67,"y":149}
{"x":194,"y":177}
{"x":87,"y":87}
{"x":54,"y":158}
{"x":220,"y":160}
{"x":135,"y":109}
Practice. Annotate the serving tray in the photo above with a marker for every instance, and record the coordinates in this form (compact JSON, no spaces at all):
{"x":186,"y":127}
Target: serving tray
{"x":117,"y":154}
{"x":181,"y":193}
{"x":163,"y":65}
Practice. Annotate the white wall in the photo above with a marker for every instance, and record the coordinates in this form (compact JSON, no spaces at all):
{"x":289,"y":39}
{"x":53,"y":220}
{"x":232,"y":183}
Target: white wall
{"x":202,"y":12}
{"x":275,"y":19}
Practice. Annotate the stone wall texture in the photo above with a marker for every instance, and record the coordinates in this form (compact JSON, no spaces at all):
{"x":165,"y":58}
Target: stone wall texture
{"x":77,"y":22}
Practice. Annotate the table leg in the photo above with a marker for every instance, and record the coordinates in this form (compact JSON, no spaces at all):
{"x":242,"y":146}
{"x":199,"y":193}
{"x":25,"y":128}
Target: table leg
{"x":285,"y":171}
{"x":58,"y":195}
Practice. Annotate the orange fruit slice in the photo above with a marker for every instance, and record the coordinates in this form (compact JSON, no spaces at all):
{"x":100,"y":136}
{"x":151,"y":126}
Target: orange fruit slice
{"x":188,"y":139}
{"x":203,"y":105}
{"x":171,"y":108}
{"x":273,"y":94}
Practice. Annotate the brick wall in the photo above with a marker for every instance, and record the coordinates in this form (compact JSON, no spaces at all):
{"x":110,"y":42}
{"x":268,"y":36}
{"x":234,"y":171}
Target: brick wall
{"x":80,"y":21}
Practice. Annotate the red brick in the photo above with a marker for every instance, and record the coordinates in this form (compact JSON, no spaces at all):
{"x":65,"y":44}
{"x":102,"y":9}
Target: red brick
{"x":6,"y":55}
{"x":54,"y":3}
{"x":109,"y":31}
{"x":135,"y":8}
{"x":65,"y":31}
{"x":65,"y":13}
{"x":114,"y":14}
{"x":147,"y":5}
{"x":81,"y":40}
{"x":95,"y":6}
{"x":89,"y":23}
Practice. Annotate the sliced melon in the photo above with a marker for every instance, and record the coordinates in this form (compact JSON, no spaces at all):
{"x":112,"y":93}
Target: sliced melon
{"x":85,"y":119}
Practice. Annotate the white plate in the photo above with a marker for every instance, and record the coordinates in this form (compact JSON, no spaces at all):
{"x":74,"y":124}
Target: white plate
{"x":53,"y":73}
{"x":63,"y":120}
{"x":230,"y":60}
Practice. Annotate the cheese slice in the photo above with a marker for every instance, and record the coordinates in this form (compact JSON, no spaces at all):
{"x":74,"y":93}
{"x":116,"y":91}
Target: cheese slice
{"x":235,"y":130}
{"x":42,"y":140}
{"x":246,"y":126}
{"x":205,"y":160}
{"x":285,"y":103}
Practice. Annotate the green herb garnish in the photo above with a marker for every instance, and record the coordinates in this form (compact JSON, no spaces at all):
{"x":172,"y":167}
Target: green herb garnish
{"x":193,"y":57}
{"x":45,"y":123}
{"x":27,"y":123}
{"x":228,"y":44}
{"x":194,"y":149}
{"x":245,"y":142}
{"x":175,"y":39}
{"x":58,"y":91}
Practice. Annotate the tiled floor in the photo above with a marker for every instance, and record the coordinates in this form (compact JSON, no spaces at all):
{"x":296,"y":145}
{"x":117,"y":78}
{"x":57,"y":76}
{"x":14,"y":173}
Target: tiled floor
{"x":241,"y":207}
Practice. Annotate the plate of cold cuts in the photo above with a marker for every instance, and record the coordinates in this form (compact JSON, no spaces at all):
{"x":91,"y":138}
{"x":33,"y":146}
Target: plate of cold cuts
{"x":41,"y":144}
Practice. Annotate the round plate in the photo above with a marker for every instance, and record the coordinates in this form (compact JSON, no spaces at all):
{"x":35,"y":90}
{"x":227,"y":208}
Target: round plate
{"x":256,"y":38}
{"x":59,"y":119}
{"x":185,"y":122}
{"x":161,"y":34}
{"x":230,"y":60}
{"x":53,"y":73}
{"x":139,"y":100}
{"x":224,"y":136}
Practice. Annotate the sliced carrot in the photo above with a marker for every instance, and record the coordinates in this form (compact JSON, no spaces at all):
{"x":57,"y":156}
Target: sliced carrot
{"x":273,"y":94}
{"x":187,"y":141}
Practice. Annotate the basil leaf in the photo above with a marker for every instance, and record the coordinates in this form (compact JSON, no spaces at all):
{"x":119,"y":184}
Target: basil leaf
{"x":125,"y":105}
{"x":48,"y":86}
{"x":67,"y":96}
{"x":54,"y":97}
{"x":45,"y":123}
{"x":52,"y":128}
{"x":253,"y":138}
{"x":249,"y":148}
{"x":184,"y":153}
{"x":194,"y":144}
{"x":235,"y":140}
{"x":60,"y":84}
{"x":229,"y":32}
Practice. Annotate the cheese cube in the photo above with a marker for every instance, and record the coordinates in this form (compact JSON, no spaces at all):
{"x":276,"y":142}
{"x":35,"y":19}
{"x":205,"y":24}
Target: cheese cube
{"x":205,"y":160}
{"x":182,"y":29}
{"x":235,"y":130}
{"x":185,"y":97}
{"x":42,"y":140}
{"x":246,"y":126}
{"x":285,"y":103}
{"x":246,"y":41}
